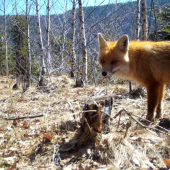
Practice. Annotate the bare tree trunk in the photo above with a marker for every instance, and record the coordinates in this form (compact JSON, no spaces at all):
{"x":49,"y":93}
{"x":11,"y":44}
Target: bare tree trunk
{"x":149,"y":20}
{"x":40,"y":43}
{"x":28,"y":46}
{"x":49,"y":62}
{"x":137,"y":18}
{"x":83,"y":41}
{"x":144,"y":20}
{"x":137,"y":31}
{"x":156,"y":26}
{"x":64,"y":37}
{"x":72,"y":45}
{"x":5,"y":37}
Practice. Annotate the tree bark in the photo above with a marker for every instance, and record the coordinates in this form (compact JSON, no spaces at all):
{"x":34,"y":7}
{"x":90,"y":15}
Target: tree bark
{"x":48,"y":56}
{"x":83,"y":41}
{"x":156,"y":26}
{"x":92,"y":115}
{"x":144,"y":20}
{"x":137,"y":19}
{"x":5,"y":38}
{"x":72,"y":45}
{"x":40,"y":43}
{"x":28,"y":47}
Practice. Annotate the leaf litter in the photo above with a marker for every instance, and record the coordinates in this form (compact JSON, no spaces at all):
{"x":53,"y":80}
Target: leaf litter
{"x":36,"y":124}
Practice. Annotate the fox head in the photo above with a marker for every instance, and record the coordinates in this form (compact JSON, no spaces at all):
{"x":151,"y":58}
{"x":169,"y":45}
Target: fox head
{"x":113,"y":56}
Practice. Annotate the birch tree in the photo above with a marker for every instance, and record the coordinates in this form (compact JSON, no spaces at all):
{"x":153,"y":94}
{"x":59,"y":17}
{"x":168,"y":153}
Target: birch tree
{"x":40,"y":43}
{"x":64,"y":36}
{"x":83,"y":41}
{"x":28,"y":46}
{"x":137,"y":19}
{"x":72,"y":43}
{"x":5,"y":38}
{"x":137,"y":31}
{"x":48,"y":56}
{"x":144,"y":20}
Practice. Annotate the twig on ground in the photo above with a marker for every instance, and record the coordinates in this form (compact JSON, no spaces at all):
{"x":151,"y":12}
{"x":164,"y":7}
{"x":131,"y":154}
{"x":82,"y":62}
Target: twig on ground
{"x":152,"y":128}
{"x":119,"y":120}
{"x":89,"y":111}
{"x":26,"y":117}
{"x":149,"y":121}
{"x":118,"y":113}
{"x":128,"y":124}
{"x":88,"y":126}
{"x":145,"y":126}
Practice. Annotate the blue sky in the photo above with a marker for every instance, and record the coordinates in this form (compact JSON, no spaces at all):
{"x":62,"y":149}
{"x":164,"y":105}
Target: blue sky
{"x":58,"y":6}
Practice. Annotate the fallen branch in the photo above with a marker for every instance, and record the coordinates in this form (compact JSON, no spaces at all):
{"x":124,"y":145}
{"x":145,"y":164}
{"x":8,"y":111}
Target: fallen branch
{"x":26,"y":117}
{"x":89,"y":111}
{"x":149,"y":121}
{"x":141,"y":124}
{"x":152,"y":128}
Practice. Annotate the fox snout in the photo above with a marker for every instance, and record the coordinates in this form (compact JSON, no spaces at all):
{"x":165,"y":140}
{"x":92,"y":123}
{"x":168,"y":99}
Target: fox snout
{"x":107,"y":70}
{"x":104,"y":73}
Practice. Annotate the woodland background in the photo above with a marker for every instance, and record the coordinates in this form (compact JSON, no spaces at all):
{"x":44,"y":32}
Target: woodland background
{"x":45,"y":52}
{"x":34,"y":45}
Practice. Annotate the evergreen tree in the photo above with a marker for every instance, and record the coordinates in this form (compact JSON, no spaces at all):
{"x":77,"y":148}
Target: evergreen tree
{"x":164,"y":33}
{"x":20,"y":44}
{"x":163,"y":20}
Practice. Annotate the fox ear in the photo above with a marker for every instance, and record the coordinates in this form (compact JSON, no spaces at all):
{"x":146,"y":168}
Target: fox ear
{"x":123,"y":43}
{"x":102,"y":41}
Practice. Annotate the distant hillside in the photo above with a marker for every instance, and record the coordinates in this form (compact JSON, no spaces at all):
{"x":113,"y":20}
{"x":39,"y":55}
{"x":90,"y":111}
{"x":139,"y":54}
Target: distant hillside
{"x":112,"y":20}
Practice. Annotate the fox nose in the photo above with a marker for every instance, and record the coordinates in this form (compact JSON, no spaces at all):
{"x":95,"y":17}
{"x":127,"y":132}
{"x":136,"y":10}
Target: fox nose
{"x":104,"y":73}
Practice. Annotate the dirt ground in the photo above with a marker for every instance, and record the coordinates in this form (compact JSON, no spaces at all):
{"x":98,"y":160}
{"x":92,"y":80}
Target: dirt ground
{"x":39,"y":127}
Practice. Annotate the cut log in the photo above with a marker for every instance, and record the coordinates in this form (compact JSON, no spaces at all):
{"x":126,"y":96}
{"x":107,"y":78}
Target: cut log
{"x":97,"y":113}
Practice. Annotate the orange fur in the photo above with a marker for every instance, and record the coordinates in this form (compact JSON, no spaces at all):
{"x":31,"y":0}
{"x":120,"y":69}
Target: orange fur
{"x":145,"y":62}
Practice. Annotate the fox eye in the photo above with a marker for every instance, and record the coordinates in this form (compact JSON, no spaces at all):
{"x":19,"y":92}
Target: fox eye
{"x":114,"y":62}
{"x":102,"y":61}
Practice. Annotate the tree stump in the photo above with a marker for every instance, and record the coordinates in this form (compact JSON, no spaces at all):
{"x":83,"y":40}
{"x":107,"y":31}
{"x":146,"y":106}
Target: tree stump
{"x":15,"y":87}
{"x":96,"y":118}
{"x":97,"y":114}
{"x":42,"y":82}
{"x":72,"y":74}
{"x":79,"y":82}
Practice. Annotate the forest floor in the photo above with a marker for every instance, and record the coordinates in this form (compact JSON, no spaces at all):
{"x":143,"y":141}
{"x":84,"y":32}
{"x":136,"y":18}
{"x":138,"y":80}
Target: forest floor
{"x":36,"y":124}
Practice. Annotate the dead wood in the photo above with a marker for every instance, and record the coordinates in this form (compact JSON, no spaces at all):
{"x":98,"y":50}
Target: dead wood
{"x":97,"y":125}
{"x":97,"y":112}
{"x":91,"y":123}
{"x":26,"y":117}
{"x":146,"y":124}
{"x":15,"y":87}
{"x":79,"y":82}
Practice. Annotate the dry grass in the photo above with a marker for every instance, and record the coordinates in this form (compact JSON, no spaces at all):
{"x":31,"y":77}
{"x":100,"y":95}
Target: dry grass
{"x":36,"y":143}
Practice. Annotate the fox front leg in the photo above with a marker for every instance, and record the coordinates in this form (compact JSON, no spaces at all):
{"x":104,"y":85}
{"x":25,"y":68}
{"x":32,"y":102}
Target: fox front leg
{"x":159,"y":111}
{"x":153,"y":92}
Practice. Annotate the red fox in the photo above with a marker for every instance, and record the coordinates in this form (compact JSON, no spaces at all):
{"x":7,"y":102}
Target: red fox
{"x":145,"y":62}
